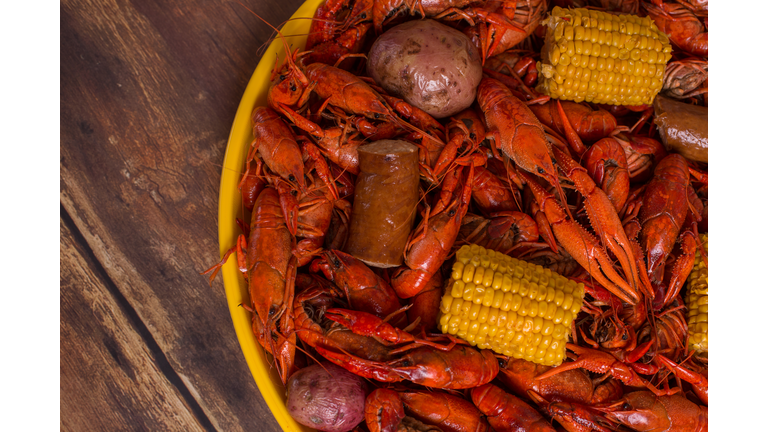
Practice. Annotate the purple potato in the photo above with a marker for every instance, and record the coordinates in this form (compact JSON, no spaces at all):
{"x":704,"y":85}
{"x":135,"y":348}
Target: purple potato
{"x":326,"y":397}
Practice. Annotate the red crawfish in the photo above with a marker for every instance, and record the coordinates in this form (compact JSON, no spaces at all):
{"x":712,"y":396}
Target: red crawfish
{"x":643,"y":411}
{"x":508,"y":413}
{"x":431,"y":242}
{"x":385,"y":409}
{"x":580,"y":244}
{"x":462,"y":367}
{"x":516,"y":131}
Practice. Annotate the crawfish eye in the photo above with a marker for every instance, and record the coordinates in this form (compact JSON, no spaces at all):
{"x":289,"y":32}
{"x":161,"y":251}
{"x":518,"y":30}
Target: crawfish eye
{"x":376,"y":115}
{"x":472,"y":135}
{"x":336,"y":262}
{"x":282,"y":77}
{"x":291,"y":177}
{"x":626,"y":407}
{"x":293,"y":87}
{"x":451,"y":212}
{"x":540,"y":170}
{"x":624,"y":337}
{"x":294,"y":192}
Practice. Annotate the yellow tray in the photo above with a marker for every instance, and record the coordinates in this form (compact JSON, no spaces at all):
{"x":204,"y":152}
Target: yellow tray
{"x":230,"y":207}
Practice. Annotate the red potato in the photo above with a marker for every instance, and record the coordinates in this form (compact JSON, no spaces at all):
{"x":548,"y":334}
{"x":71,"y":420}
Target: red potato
{"x":428,"y":64}
{"x":326,"y":397}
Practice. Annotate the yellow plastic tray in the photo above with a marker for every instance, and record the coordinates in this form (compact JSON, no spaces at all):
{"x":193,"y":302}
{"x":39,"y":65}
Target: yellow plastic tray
{"x":230,"y":207}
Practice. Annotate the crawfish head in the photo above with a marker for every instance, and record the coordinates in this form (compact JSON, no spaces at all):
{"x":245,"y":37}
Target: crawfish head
{"x":287,"y":88}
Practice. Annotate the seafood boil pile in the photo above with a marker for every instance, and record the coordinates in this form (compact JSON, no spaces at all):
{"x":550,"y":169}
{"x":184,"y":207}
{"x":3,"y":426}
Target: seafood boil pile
{"x":534,"y":259}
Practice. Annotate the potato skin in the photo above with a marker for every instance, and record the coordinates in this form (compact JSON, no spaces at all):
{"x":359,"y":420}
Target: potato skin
{"x":428,"y":64}
{"x":326,"y":397}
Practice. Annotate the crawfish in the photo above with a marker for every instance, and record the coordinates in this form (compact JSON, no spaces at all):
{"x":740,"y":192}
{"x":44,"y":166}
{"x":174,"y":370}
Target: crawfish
{"x":323,"y":26}
{"x":590,"y":124}
{"x":644,"y":411}
{"x":339,"y":145}
{"x":572,"y":416}
{"x":507,"y":413}
{"x":518,"y":63}
{"x":431,"y":242}
{"x":516,"y":131}
{"x":698,"y":381}
{"x":271,"y":271}
{"x":504,"y":232}
{"x":683,"y":27}
{"x":686,"y":78}
{"x":665,"y":205}
{"x":491,"y":194}
{"x":384,"y":411}
{"x":643,"y":153}
{"x":603,"y":217}
{"x":606,"y":163}
{"x":251,"y":185}
{"x":309,"y":307}
{"x":465,"y":129}
{"x":462,"y":367}
{"x":315,"y":209}
{"x":365,"y":290}
{"x":499,"y":36}
{"x":581,"y":245}
{"x":277,"y":146}
{"x":384,"y":10}
{"x":569,"y":386}
{"x":601,"y":362}
{"x":425,"y":306}
{"x":337,"y":50}
{"x":348,"y":92}
{"x":366,"y":324}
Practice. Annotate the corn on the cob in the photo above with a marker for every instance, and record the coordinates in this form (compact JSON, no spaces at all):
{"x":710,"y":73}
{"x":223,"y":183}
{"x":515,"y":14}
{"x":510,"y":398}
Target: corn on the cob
{"x":513,"y":307}
{"x":597,"y":57}
{"x":697,"y":301}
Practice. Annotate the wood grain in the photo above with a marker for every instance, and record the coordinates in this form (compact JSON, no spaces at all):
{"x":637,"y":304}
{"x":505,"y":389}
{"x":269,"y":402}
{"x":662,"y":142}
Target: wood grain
{"x":111,"y":380}
{"x":148,"y":93}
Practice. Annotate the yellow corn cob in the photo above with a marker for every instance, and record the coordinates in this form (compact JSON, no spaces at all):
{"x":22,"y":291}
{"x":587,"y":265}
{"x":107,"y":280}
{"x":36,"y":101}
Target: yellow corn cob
{"x":510,"y":306}
{"x":597,"y":57}
{"x":697,"y":301}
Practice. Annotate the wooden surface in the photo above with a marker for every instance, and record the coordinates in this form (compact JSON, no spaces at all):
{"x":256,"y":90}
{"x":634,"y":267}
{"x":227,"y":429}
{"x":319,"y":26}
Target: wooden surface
{"x":148,"y":94}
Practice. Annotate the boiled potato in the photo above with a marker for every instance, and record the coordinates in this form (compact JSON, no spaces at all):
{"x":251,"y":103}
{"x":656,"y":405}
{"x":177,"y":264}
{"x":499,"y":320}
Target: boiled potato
{"x":428,"y":64}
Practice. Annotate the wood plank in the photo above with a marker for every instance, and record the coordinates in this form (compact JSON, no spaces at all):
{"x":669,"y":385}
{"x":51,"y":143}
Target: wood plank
{"x":148,"y":94}
{"x":110,"y":379}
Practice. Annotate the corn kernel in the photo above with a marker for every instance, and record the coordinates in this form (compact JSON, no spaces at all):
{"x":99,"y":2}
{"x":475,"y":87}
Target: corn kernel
{"x":567,"y":318}
{"x":508,"y":301}
{"x":493,"y":315}
{"x":474,"y":311}
{"x":469,"y":292}
{"x":469,"y":273}
{"x":547,"y":327}
{"x":567,"y":301}
{"x":455,"y":306}
{"x":559,"y":297}
{"x":498,"y":298}
{"x":444,"y":319}
{"x":463,"y":325}
{"x":559,"y":332}
{"x":525,"y":305}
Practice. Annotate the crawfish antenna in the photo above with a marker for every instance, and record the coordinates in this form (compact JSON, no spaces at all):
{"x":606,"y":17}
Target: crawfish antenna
{"x":288,"y":53}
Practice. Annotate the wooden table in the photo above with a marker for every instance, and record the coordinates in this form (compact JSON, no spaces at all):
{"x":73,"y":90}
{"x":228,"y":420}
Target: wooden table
{"x":148,"y":94}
